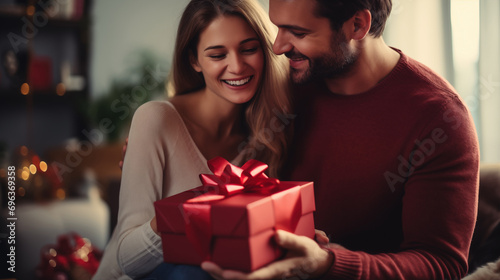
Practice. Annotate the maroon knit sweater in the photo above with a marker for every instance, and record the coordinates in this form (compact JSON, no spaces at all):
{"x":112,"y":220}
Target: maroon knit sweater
{"x":395,"y":172}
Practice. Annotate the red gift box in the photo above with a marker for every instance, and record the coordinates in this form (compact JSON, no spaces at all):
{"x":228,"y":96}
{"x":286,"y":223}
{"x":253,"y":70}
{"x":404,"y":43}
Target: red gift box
{"x":231,"y":219}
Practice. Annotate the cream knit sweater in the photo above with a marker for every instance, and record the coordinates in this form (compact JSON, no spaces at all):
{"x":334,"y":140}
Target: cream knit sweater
{"x":161,"y":160}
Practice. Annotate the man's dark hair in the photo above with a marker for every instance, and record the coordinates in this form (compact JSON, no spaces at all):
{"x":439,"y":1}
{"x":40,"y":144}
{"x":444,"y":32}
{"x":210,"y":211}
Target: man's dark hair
{"x":339,"y":11}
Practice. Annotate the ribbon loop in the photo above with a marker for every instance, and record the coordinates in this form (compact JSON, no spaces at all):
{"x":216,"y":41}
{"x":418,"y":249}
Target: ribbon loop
{"x":217,"y":165}
{"x":254,"y":168}
{"x":230,"y":179}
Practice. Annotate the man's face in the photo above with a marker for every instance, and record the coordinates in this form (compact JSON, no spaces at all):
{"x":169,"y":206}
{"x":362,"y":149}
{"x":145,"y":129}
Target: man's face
{"x":314,"y":49}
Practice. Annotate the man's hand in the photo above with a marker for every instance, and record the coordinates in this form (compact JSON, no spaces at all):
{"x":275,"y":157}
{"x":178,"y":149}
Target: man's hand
{"x":321,"y":238}
{"x":305,"y":259}
{"x":124,"y":150}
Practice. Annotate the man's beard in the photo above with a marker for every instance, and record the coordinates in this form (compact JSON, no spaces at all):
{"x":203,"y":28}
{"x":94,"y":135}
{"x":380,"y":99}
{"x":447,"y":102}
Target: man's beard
{"x":336,"y":63}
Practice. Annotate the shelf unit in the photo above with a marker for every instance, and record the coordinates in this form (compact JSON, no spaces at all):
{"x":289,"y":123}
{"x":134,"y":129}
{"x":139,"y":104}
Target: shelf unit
{"x":44,"y":71}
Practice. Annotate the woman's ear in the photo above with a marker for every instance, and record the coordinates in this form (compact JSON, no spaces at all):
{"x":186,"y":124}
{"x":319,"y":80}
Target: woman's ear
{"x":360,"y":24}
{"x":194,"y":62}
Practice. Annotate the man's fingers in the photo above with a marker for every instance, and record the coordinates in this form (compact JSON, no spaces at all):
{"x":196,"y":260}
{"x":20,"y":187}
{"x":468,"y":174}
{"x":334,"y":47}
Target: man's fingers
{"x":235,"y":275}
{"x":291,"y":241}
{"x":321,"y":237}
{"x":212,"y":269}
{"x":275,"y":270}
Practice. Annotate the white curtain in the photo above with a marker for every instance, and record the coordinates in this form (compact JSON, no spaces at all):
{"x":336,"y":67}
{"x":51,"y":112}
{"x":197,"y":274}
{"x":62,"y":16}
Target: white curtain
{"x":489,"y":80}
{"x":422,"y":30}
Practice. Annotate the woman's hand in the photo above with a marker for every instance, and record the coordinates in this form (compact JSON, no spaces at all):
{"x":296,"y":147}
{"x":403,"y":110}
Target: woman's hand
{"x":124,"y":150}
{"x":154,"y":226}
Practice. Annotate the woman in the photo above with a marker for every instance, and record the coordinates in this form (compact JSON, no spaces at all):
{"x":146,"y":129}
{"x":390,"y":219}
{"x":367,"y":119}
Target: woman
{"x":229,"y":89}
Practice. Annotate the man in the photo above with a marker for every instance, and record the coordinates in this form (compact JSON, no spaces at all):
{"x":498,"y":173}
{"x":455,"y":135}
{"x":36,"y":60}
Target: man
{"x":388,"y":143}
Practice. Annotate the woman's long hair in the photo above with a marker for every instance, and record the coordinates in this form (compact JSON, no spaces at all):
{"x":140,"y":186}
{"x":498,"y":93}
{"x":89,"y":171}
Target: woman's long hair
{"x":269,"y":132}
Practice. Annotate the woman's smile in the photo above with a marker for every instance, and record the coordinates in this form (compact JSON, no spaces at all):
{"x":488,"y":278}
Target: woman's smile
{"x":238,"y":83}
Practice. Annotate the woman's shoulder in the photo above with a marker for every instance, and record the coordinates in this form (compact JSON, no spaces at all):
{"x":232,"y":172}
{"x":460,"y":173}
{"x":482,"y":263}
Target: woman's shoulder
{"x":156,"y":107}
{"x":156,"y":114}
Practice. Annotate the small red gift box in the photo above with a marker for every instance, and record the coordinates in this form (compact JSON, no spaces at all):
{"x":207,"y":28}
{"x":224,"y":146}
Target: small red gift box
{"x":231,"y":219}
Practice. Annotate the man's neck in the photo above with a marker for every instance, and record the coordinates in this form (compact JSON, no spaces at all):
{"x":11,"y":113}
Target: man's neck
{"x":376,"y":60}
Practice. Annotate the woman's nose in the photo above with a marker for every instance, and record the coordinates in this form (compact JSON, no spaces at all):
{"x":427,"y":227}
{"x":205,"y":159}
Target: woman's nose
{"x":236,"y":64}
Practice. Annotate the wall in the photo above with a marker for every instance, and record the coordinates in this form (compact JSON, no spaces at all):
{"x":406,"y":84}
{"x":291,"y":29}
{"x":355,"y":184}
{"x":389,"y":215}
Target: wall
{"x":122,"y":27}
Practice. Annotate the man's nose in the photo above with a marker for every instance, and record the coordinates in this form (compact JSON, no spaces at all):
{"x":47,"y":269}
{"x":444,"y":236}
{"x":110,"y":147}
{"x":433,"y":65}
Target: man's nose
{"x":281,"y":44}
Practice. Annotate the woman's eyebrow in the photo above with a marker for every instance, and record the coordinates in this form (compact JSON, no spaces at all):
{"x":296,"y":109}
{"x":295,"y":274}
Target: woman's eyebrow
{"x":221,"y":47}
{"x":248,"y":40}
{"x":214,"y":47}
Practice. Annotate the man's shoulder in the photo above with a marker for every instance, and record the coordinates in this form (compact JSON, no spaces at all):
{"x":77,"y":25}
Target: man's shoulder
{"x":437,"y":102}
{"x":424,"y":86}
{"x":424,"y":77}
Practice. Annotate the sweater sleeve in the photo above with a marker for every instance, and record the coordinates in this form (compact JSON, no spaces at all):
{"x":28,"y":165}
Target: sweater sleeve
{"x":139,"y":248}
{"x":439,"y":207}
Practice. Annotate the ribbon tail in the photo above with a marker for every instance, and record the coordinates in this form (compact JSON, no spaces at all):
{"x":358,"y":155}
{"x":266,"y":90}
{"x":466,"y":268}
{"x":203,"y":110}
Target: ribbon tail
{"x":287,"y":210}
{"x":198,"y":228}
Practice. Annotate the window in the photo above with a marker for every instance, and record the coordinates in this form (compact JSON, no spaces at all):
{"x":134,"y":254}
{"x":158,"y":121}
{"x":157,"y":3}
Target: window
{"x":465,"y":34}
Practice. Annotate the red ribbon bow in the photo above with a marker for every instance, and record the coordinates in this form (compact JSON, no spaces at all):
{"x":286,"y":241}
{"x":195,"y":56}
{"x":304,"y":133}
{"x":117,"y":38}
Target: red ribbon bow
{"x":227,"y":180}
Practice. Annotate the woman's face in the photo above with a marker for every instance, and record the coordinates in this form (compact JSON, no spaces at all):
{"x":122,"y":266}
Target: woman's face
{"x":231,"y":59}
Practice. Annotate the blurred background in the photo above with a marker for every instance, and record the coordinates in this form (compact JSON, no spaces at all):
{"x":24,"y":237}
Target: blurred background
{"x":73,"y":72}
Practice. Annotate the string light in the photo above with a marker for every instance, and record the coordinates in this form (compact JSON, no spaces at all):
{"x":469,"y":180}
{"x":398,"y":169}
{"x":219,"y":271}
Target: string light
{"x":60,"y":89}
{"x":25,"y":89}
{"x":33,"y":169}
{"x":35,"y":172}
{"x":43,"y":166}
{"x":25,"y":175}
